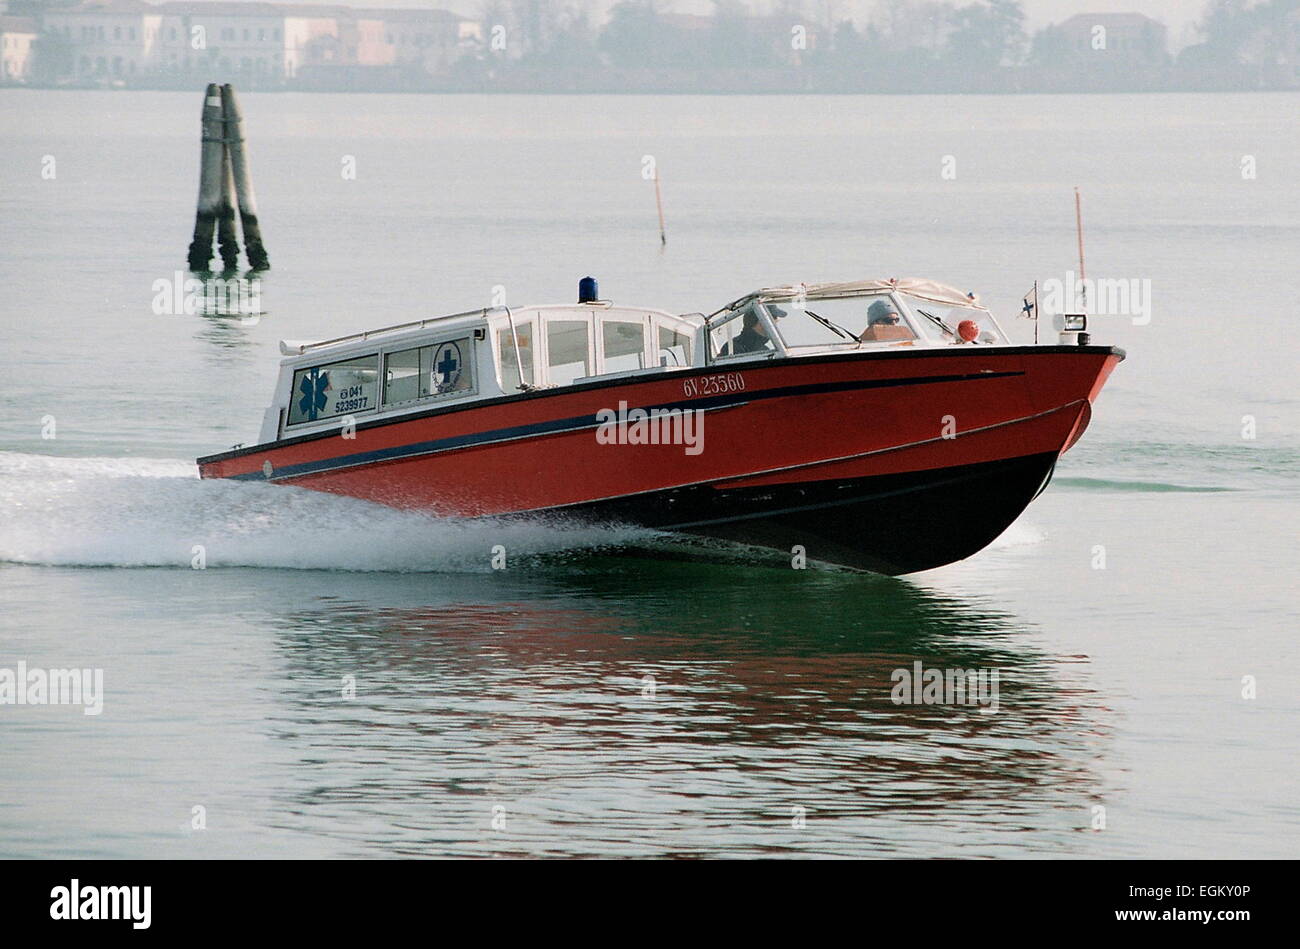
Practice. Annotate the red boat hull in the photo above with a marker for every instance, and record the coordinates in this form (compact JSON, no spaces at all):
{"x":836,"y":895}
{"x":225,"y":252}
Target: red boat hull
{"x":891,"y":461}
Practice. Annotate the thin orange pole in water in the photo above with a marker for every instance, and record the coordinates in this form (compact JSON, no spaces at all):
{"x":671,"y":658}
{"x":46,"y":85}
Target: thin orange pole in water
{"x":659,"y":203}
{"x":1078,"y":226}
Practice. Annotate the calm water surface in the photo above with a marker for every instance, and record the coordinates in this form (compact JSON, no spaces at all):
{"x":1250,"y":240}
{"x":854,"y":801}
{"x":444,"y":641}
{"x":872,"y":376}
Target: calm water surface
{"x":525,"y":694}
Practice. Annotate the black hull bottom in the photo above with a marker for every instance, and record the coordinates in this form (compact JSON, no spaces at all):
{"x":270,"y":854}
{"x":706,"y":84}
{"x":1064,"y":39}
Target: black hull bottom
{"x":891,"y":524}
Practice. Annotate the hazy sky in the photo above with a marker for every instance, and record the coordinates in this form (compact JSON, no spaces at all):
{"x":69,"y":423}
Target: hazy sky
{"x":1178,"y":15}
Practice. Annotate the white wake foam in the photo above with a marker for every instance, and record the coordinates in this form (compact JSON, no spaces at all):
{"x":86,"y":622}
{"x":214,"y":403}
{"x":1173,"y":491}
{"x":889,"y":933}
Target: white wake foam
{"x":1019,"y":534}
{"x":125,"y":512}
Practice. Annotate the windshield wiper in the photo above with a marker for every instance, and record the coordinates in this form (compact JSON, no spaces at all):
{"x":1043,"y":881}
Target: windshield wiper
{"x":936,"y":321}
{"x":833,"y":327}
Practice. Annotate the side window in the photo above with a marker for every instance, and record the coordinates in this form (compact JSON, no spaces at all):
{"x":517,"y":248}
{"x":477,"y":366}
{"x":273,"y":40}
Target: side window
{"x":401,"y":376}
{"x":567,"y":348}
{"x":425,"y":372}
{"x":509,"y":365}
{"x":674,"y":347}
{"x":447,"y":368}
{"x":624,"y":345}
{"x":722,"y":334}
{"x":739,"y":334}
{"x":337,"y":388}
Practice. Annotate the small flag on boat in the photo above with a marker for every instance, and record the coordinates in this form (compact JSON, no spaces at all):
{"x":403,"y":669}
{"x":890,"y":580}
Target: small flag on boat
{"x":1029,"y":310}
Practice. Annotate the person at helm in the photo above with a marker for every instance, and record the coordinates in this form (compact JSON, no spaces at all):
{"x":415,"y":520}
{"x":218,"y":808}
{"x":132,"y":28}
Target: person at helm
{"x":884,"y":324}
{"x":752,"y":337}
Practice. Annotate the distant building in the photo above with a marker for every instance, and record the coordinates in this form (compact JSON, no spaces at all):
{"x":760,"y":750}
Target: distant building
{"x":133,"y":42}
{"x":312,"y":37}
{"x":243,"y":39}
{"x":429,"y":40}
{"x":18,"y":36}
{"x":106,"y":37}
{"x":368,"y":38}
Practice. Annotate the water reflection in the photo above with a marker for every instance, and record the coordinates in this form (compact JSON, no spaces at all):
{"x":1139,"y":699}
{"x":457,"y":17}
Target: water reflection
{"x":229,"y":304}
{"x":770,"y":702}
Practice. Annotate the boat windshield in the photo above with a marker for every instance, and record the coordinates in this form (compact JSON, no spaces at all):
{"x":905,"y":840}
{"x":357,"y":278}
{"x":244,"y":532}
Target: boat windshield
{"x":940,"y":322}
{"x":873,"y":318}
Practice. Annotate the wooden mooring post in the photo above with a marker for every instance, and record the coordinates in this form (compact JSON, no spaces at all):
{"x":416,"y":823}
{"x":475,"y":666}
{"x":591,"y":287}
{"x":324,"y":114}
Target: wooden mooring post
{"x":225,"y":187}
{"x":257,"y":258}
{"x":227,"y":238}
{"x":210,"y":167}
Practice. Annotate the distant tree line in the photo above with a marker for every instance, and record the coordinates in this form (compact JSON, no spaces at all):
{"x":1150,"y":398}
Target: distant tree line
{"x":908,"y":46}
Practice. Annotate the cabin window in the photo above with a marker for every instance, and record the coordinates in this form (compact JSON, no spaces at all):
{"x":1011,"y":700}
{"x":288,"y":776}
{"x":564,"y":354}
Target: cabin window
{"x":742,"y":333}
{"x":402,"y":376}
{"x":674,"y":347}
{"x":568,"y":346}
{"x":624,"y":345}
{"x":426,"y":372}
{"x":508,"y":364}
{"x":338,"y":388}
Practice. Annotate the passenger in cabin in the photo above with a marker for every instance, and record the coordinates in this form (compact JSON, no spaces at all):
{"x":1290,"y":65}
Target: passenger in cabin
{"x":884,"y":324}
{"x":752,"y":337}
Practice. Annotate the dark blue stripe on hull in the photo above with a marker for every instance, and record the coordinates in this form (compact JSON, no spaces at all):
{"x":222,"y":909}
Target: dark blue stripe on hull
{"x":581,"y":422}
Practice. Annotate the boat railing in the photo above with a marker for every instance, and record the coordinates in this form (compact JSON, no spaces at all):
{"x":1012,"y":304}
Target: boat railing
{"x":300,"y":348}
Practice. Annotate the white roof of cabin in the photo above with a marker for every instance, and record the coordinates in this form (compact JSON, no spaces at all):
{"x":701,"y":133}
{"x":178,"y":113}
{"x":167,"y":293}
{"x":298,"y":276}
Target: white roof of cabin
{"x":384,"y":336}
{"x":388,"y":335}
{"x":923,"y":289}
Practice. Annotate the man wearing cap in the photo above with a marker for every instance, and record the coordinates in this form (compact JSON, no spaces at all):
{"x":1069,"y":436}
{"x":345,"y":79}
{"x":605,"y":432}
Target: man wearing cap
{"x":884,"y":324}
{"x":752,"y":337}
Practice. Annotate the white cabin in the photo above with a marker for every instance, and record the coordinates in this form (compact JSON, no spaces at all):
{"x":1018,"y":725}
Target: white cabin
{"x":470,"y":356}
